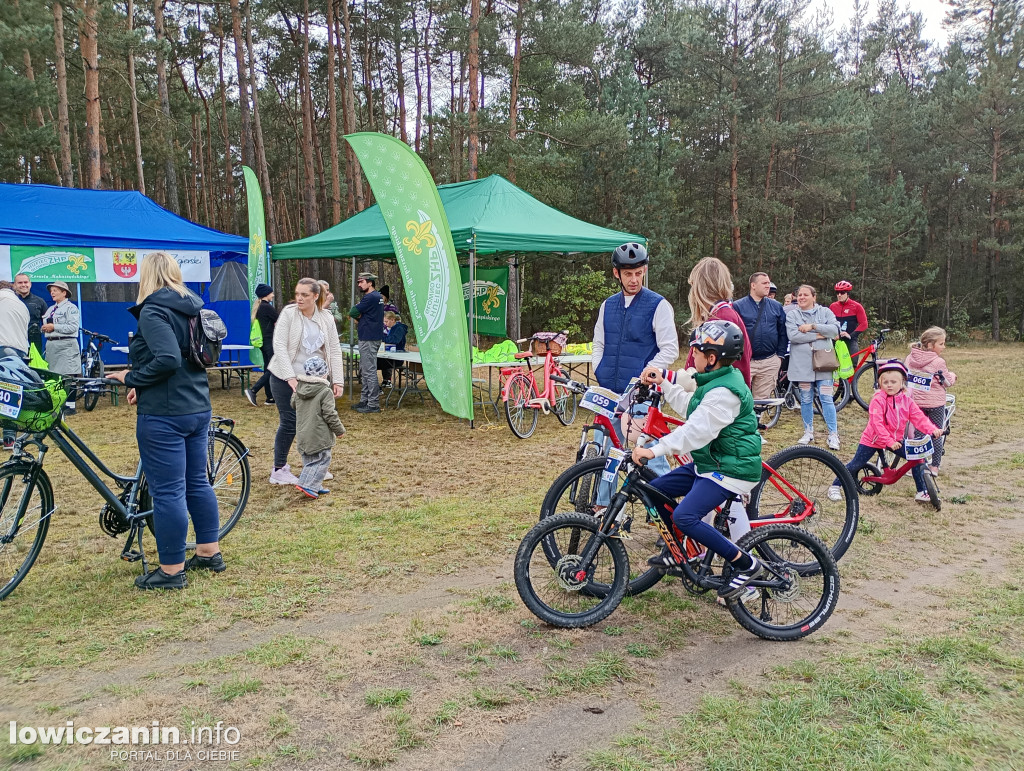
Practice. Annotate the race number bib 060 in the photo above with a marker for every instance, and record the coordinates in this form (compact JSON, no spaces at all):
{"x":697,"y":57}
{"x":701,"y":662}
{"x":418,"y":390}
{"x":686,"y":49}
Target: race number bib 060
{"x":10,"y":399}
{"x":920,"y":382}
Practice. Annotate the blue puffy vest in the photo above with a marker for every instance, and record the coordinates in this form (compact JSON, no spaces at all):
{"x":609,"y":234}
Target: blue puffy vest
{"x":629,"y":340}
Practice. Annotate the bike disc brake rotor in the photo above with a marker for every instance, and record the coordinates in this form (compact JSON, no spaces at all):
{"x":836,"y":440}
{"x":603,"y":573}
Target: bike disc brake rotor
{"x":793,"y":591}
{"x":571,"y":576}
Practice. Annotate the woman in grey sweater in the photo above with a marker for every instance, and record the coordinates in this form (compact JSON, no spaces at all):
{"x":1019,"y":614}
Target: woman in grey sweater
{"x":61,"y":324}
{"x":812,"y":327}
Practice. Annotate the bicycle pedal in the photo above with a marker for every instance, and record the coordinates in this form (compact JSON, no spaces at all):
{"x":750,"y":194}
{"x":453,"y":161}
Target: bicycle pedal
{"x":131,"y":555}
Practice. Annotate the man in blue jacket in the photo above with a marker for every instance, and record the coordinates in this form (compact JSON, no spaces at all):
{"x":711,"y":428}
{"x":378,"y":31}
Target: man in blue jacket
{"x":369,"y":313}
{"x":765,"y":321}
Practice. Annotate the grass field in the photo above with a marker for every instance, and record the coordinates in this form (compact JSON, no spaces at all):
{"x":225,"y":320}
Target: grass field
{"x":379,"y":625}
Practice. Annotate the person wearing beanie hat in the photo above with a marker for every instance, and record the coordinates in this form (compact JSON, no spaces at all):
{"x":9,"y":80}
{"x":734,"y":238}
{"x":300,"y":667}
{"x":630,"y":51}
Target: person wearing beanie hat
{"x":265,"y":313}
{"x":316,"y":425}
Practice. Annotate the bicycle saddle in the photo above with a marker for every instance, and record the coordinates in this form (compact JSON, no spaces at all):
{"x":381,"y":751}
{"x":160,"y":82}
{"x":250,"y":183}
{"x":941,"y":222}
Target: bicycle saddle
{"x":524,"y":355}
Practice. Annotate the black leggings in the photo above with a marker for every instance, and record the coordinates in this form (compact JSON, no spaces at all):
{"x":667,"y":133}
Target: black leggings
{"x":264,"y":381}
{"x":282,"y":393}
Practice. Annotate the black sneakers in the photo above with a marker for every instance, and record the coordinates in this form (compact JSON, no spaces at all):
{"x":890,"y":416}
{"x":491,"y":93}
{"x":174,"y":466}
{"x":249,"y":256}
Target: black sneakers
{"x":366,"y":408}
{"x":358,"y":407}
{"x":214,"y":563}
{"x":158,"y":579}
{"x":251,"y":397}
{"x":740,"y":578}
{"x":663,"y":560}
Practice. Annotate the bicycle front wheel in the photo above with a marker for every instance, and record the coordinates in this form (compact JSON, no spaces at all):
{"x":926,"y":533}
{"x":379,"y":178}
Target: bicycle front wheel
{"x":565,"y":404}
{"x":92,"y":394}
{"x":561,"y":595}
{"x":932,"y":489}
{"x":864,"y":382}
{"x":521,"y":419}
{"x":25,"y":509}
{"x":799,"y":473}
{"x":227,"y":468}
{"x":802,"y":584}
{"x":576,"y":490}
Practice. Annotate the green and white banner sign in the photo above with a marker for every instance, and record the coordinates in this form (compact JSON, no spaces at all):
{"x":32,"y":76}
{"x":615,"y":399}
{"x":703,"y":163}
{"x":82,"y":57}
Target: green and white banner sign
{"x":490,"y":299}
{"x":257,"y":233}
{"x":422,"y":241}
{"x":92,"y":265}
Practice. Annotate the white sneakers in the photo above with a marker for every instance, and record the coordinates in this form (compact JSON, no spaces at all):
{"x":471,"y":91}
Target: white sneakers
{"x":833,"y":441}
{"x":923,"y":497}
{"x":283,"y":476}
{"x":835,"y":493}
{"x":807,"y":438}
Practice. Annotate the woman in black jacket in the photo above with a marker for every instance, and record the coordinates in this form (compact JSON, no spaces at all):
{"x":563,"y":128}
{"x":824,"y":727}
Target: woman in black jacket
{"x":174,"y":417}
{"x":266,"y":314}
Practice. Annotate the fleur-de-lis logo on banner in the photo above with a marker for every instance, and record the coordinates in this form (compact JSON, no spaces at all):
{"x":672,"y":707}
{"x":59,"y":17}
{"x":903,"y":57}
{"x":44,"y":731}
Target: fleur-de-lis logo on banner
{"x":76,"y":264}
{"x":420,"y":234}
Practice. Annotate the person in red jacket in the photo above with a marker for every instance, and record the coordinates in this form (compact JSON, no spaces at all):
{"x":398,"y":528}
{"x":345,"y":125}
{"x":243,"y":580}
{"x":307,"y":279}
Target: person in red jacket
{"x":850,"y":314}
{"x":710,"y":299}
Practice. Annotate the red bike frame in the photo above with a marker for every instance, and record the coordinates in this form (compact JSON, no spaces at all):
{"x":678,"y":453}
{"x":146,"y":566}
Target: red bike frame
{"x":891,"y":472}
{"x":658,"y":424}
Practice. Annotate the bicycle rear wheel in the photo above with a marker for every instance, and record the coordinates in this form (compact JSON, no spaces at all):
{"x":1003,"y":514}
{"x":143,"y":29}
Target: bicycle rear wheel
{"x":521,"y":419}
{"x":809,"y":472}
{"x":227,"y":468}
{"x":25,"y":510}
{"x":562,"y":594}
{"x":576,"y":490}
{"x":92,"y":394}
{"x":811,"y":584}
{"x":771,"y":415}
{"x":864,"y":383}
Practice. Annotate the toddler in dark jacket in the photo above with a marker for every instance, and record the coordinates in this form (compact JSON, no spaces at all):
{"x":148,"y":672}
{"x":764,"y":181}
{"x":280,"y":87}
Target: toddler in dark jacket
{"x":316,"y":425}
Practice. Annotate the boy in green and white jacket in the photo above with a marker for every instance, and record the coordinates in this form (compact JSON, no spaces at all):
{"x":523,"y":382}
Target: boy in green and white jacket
{"x":721,"y":434}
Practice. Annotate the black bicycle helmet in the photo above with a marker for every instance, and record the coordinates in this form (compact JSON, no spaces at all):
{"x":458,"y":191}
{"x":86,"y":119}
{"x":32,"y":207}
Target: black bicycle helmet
{"x":722,"y":337}
{"x":631,"y":255}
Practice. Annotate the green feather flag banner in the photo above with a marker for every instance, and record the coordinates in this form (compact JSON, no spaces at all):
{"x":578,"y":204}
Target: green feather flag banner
{"x":422,"y":240}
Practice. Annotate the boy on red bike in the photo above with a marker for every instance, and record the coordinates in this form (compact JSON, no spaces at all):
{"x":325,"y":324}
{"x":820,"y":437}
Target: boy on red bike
{"x":721,"y":434}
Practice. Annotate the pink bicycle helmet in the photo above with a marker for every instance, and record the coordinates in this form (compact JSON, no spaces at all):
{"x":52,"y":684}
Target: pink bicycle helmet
{"x":892,"y":365}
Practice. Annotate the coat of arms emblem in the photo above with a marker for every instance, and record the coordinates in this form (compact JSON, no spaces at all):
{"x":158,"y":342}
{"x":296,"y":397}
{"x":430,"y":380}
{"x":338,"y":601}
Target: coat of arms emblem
{"x":125,"y":264}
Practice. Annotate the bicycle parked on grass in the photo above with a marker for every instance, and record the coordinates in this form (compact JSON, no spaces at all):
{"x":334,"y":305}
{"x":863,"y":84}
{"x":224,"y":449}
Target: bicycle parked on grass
{"x":523,"y":399}
{"x":793,"y":490}
{"x":26,"y":493}
{"x":864,"y":381}
{"x":789,"y":394}
{"x":92,"y":368}
{"x":573,"y":569}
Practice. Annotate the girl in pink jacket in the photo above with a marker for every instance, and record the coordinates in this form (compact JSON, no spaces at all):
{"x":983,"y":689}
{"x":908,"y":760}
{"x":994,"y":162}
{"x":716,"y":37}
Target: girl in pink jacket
{"x":925,"y":361}
{"x":889,"y":413}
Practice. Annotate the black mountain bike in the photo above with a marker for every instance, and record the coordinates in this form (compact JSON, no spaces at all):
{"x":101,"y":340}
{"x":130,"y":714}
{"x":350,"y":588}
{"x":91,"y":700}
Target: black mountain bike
{"x":93,"y":369}
{"x":27,"y":504}
{"x":572,"y":570}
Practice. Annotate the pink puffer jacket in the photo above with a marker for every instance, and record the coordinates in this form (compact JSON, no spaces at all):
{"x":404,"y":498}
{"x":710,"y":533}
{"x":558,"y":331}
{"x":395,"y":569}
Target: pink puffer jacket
{"x":922,"y":362}
{"x":888,"y":417}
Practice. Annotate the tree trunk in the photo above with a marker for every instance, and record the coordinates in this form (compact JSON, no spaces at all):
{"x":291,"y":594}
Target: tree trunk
{"x":332,"y":114}
{"x":400,"y":80}
{"x":136,"y":133}
{"x":353,"y":173}
{"x":418,"y":80}
{"x":270,"y":210}
{"x":312,"y":215}
{"x":228,"y":216}
{"x":993,"y":255}
{"x":513,"y":106}
{"x":67,"y":176}
{"x":248,"y":145}
{"x":734,"y":136}
{"x":368,"y":68}
{"x":513,"y":301}
{"x":165,"y":107}
{"x":88,"y":42}
{"x":430,"y":80}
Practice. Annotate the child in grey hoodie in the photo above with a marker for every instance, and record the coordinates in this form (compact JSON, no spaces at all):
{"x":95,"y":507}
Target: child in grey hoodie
{"x":316,"y":425}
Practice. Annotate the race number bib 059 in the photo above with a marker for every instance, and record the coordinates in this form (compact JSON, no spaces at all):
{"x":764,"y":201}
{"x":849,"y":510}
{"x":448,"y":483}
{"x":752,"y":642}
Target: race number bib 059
{"x":600,"y":400}
{"x":10,"y":399}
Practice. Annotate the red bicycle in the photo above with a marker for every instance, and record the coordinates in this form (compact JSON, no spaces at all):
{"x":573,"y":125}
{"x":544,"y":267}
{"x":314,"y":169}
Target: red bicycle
{"x":862,"y":385}
{"x":524,"y":400}
{"x":793,"y":490}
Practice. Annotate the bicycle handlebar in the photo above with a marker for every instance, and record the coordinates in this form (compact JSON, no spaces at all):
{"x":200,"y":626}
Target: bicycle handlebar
{"x":572,"y":385}
{"x":98,"y":336}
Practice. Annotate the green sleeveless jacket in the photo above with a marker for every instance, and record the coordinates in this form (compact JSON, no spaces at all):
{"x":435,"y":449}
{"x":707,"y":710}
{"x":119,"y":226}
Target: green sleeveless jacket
{"x":736,"y":452}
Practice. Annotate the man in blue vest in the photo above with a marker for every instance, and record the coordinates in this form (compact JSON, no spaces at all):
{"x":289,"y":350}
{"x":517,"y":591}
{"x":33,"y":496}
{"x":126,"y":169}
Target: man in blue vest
{"x":636,"y":328}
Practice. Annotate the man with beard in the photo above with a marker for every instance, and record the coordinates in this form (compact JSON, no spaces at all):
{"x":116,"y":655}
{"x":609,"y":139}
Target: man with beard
{"x":369,"y":314}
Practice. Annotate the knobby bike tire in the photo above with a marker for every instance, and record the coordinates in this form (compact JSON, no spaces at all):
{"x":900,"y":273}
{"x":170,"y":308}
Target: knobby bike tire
{"x":863,"y":385}
{"x":869,"y":488}
{"x":787,"y":615}
{"x":24,"y":521}
{"x":92,"y":396}
{"x":770,"y":417}
{"x":565,"y":405}
{"x":932,"y":488}
{"x":539,"y":584}
{"x":842,"y":394}
{"x":575,"y":490}
{"x":519,"y":392}
{"x":229,"y":458}
{"x":811,"y":471}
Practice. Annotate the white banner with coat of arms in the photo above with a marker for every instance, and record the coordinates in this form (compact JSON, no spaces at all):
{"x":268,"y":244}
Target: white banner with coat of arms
{"x":92,"y":265}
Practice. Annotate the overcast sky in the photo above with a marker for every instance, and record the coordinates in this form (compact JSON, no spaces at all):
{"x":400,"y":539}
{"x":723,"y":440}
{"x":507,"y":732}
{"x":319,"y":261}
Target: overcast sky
{"x":933,"y":11}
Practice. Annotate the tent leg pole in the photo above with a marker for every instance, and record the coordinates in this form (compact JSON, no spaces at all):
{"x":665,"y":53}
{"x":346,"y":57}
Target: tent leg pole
{"x":351,"y":336}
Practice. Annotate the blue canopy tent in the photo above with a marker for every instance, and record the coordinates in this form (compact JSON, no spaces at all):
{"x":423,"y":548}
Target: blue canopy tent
{"x":108,"y":226}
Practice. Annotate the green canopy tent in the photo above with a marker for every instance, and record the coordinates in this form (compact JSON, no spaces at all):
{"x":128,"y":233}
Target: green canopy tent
{"x":486,"y":216}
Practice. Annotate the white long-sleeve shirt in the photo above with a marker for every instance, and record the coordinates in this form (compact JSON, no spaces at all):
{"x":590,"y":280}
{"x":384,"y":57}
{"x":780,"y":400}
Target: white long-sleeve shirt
{"x":665,"y":335}
{"x":719,"y":408}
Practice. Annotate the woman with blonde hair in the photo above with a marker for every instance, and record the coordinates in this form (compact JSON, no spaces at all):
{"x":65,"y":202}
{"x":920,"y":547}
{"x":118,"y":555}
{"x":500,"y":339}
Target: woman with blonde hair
{"x":173,"y":399}
{"x":710,"y":298}
{"x":304,"y":329}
